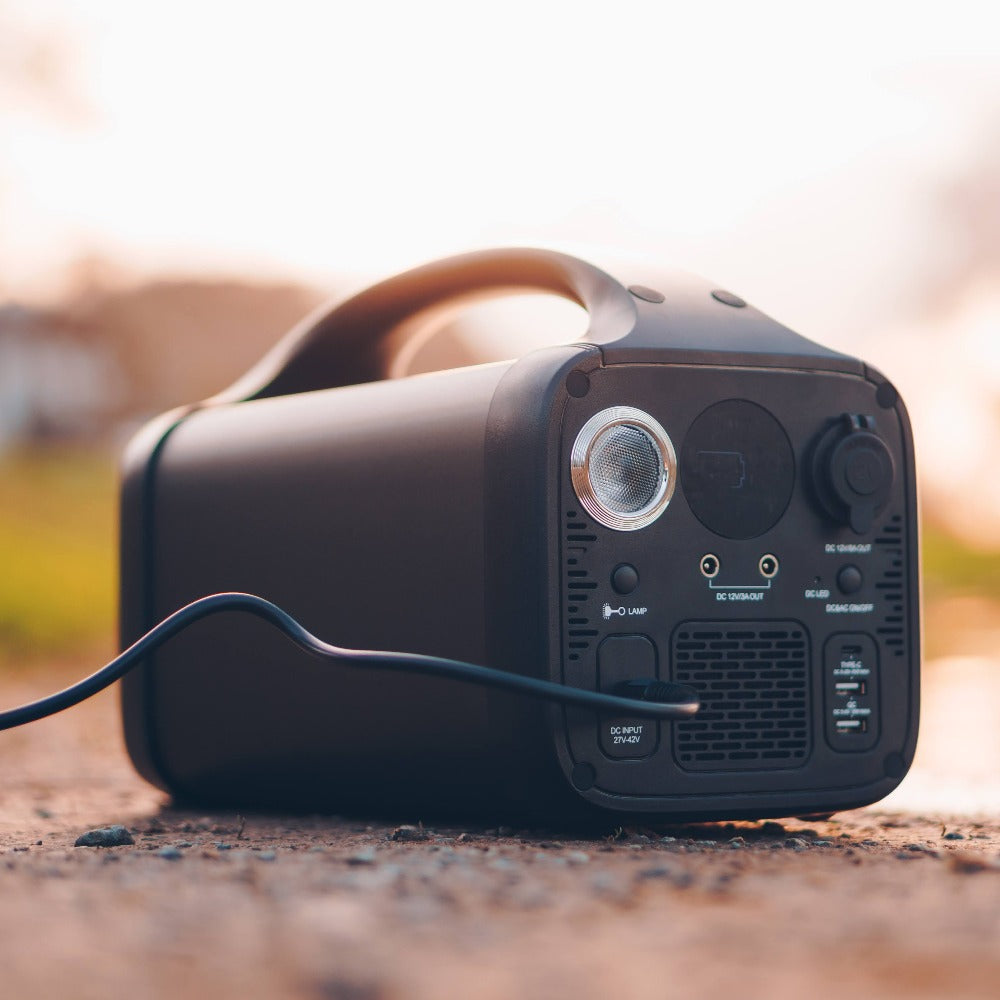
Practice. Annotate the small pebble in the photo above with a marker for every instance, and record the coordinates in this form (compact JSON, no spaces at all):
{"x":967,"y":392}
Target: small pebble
{"x":365,"y":857}
{"x":109,"y":836}
{"x":737,"y":842}
{"x":409,"y":834}
{"x":822,"y":843}
{"x":659,"y":871}
{"x":220,"y":846}
{"x":463,"y":838}
{"x":170,"y":853}
{"x":552,"y":859}
{"x":577,"y":858}
{"x":679,"y":879}
{"x":607,"y":885}
{"x":797,"y":844}
{"x":970,"y":863}
{"x":954,"y":835}
{"x":266,"y":855}
{"x":184,"y":843}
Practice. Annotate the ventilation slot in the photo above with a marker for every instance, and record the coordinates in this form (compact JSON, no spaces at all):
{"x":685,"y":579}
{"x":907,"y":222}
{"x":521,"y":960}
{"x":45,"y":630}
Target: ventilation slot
{"x":891,"y":585}
{"x":578,"y":588}
{"x":753,"y":680}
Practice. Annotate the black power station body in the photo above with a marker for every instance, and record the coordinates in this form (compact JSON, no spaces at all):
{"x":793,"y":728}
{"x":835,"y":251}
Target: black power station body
{"x":696,"y":493}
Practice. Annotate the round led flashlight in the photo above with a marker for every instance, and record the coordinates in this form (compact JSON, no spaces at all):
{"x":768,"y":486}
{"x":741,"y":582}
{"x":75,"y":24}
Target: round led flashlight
{"x":624,"y":468}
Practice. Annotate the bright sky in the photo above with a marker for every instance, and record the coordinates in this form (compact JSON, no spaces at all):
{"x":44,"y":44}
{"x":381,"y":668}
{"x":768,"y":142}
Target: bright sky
{"x":790,"y":151}
{"x":768,"y":145}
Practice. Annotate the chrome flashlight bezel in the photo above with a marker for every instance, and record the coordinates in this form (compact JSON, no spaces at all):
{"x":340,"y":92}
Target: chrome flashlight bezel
{"x":583,"y":447}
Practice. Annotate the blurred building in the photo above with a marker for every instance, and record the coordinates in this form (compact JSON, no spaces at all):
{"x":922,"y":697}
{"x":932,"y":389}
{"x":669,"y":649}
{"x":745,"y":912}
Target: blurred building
{"x":106,"y":359}
{"x":54,"y":383}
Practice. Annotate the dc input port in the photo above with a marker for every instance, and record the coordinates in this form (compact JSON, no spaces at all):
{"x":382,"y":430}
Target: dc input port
{"x":768,"y":566}
{"x":709,"y":566}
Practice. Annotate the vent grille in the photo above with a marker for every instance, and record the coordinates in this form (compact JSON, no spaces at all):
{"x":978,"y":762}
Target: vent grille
{"x":579,"y":588}
{"x":891,"y":586}
{"x":753,"y":680}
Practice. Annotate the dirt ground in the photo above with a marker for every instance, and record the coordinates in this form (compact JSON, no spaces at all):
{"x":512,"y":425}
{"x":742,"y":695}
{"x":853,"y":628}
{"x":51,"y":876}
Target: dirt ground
{"x":868,"y":904}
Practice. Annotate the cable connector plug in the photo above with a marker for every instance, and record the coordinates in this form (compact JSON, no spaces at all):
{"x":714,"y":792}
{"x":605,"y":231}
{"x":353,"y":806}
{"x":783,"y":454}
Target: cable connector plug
{"x":665,"y":692}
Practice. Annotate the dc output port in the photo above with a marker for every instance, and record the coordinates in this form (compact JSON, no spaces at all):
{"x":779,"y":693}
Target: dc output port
{"x":768,"y":566}
{"x":709,"y":566}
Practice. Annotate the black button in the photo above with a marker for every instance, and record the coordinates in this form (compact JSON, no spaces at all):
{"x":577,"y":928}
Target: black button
{"x":624,"y":658}
{"x":625,"y":579}
{"x":850,"y":580}
{"x":728,"y":299}
{"x":647,"y":294}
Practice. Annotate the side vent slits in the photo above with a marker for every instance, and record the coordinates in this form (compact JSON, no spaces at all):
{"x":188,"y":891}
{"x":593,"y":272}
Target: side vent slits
{"x":579,"y":587}
{"x":753,"y":679}
{"x":891,"y":586}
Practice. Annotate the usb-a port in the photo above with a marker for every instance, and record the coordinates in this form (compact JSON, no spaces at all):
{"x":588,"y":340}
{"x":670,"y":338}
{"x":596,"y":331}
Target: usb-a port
{"x":845,"y":726}
{"x":850,"y":687}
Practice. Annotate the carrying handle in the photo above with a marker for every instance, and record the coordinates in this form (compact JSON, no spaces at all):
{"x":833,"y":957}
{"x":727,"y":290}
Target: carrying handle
{"x":363,"y":338}
{"x":371,"y":335}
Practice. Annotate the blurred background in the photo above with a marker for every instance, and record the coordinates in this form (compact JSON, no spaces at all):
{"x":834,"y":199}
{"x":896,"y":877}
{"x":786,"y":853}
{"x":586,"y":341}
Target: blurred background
{"x":180,"y":183}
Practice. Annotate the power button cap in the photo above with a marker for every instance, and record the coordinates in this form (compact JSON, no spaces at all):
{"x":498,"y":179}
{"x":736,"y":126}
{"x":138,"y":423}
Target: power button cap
{"x":625,"y":579}
{"x":849,"y":579}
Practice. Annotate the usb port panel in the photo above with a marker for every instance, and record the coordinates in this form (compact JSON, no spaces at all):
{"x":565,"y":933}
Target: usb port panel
{"x":851,"y":692}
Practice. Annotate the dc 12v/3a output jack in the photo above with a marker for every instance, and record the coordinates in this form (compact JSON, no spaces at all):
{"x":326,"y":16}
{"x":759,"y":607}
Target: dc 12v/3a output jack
{"x":768,"y":566}
{"x":709,"y":565}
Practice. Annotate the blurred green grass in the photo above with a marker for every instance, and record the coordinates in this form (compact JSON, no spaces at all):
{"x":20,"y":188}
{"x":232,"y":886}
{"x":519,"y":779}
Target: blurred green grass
{"x":953,"y":568}
{"x":58,"y":554}
{"x":58,"y":557}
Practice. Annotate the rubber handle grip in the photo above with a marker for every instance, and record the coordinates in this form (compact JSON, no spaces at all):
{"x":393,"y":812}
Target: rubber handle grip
{"x":358,"y":339}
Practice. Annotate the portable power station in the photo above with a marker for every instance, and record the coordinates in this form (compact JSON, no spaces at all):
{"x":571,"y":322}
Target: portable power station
{"x":695,"y":494}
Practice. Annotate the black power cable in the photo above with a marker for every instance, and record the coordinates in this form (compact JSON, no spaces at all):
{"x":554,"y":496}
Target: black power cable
{"x":650,"y":698}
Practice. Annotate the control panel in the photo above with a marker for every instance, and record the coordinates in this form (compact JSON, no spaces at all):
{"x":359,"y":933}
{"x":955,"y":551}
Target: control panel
{"x":775,"y":579}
